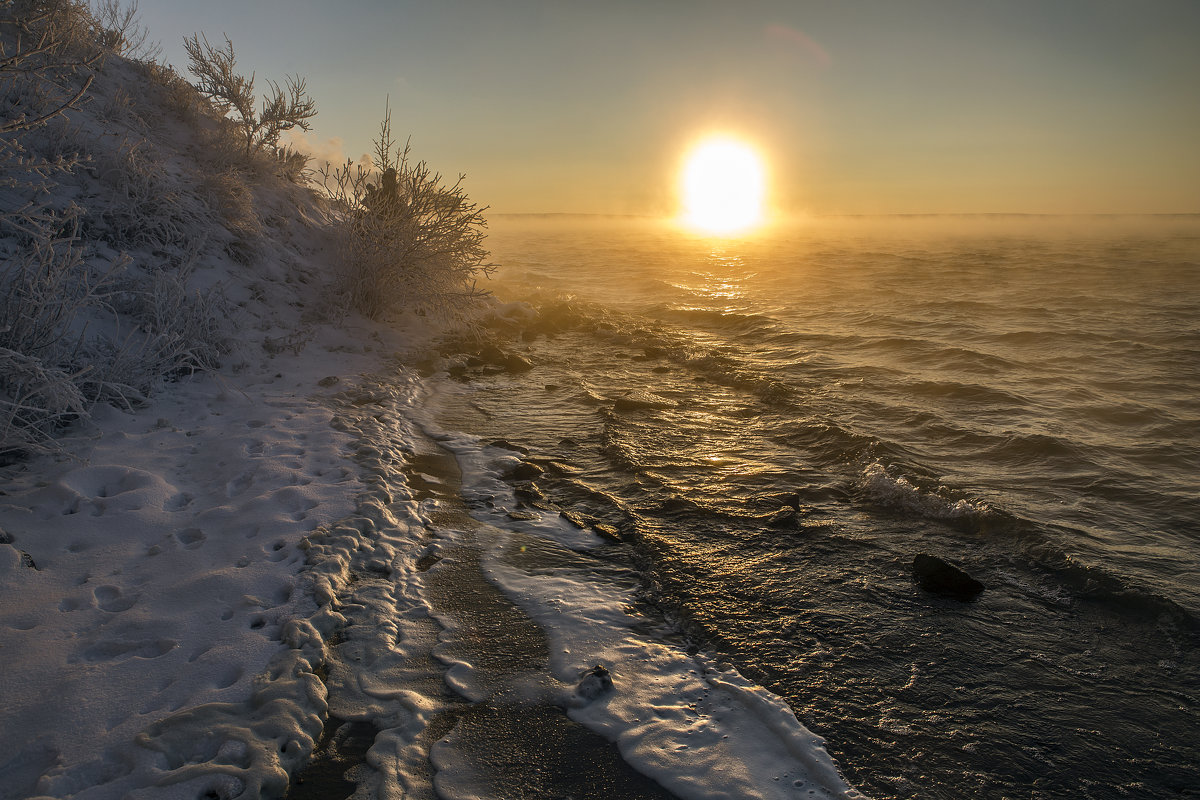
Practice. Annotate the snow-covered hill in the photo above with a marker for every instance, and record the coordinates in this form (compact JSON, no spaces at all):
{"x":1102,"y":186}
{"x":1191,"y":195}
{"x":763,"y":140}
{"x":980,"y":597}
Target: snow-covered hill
{"x":169,"y":323}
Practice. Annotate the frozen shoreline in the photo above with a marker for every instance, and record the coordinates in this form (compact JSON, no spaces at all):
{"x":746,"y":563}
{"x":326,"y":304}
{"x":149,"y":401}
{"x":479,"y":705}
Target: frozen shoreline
{"x":170,"y":641}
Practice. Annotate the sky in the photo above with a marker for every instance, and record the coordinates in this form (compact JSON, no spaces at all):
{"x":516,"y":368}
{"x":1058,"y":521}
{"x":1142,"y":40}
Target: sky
{"x":857,"y":106}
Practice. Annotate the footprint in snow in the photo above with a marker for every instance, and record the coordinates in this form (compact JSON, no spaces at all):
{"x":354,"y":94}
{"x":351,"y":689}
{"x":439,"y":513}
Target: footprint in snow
{"x":112,"y":599}
{"x":239,"y":484}
{"x":191,"y":538}
{"x":119,"y":648}
{"x":178,"y":502}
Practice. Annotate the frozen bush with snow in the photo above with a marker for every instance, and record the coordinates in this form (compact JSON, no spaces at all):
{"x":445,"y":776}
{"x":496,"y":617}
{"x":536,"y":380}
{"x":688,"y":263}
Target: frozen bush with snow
{"x":411,"y":243}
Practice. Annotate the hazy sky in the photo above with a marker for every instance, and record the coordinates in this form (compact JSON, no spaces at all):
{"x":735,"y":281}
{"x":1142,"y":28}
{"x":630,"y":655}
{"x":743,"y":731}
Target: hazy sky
{"x":860,"y":106}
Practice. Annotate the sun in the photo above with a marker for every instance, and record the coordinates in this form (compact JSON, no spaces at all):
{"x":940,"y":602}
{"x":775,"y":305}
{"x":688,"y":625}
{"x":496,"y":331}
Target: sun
{"x":722,"y":186}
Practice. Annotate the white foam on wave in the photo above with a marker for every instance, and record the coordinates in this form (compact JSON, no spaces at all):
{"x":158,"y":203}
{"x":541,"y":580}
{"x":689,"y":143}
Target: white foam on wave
{"x":899,"y":492}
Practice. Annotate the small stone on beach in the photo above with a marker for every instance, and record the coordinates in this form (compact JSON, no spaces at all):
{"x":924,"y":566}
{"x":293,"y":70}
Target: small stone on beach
{"x":596,"y":681}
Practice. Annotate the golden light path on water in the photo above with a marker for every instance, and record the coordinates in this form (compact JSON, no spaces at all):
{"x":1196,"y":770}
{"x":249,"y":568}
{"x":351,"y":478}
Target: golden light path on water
{"x":722,"y":186}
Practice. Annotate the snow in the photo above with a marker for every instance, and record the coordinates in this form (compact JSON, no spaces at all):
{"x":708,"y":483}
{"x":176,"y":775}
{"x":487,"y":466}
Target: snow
{"x":174,"y":576}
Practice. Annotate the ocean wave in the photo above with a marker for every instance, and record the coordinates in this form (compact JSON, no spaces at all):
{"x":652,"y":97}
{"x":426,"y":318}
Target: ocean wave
{"x":1026,"y":449}
{"x":898,"y":492}
{"x":722,"y":319}
{"x":966,"y":393}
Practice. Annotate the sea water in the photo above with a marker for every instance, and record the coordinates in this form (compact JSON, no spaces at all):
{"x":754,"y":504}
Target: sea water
{"x":776,"y":424}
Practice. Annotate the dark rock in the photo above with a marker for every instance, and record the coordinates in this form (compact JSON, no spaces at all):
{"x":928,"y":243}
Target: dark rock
{"x":552,"y":387}
{"x":661,"y":369}
{"x":575,"y":519}
{"x":491,"y":355}
{"x":505,"y":444}
{"x":516,"y":363}
{"x":5,"y":537}
{"x":789,"y":499}
{"x":27,"y":560}
{"x":937,"y":576}
{"x":596,"y":681}
{"x":568,"y":443}
{"x":606,"y":531}
{"x":328,"y":381}
{"x":525,"y":471}
{"x":522,"y":516}
{"x":785,"y":517}
{"x":528,"y":493}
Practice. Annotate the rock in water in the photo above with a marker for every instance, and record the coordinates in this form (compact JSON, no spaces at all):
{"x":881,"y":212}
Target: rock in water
{"x":596,"y":681}
{"x":525,"y":471}
{"x":935,"y":575}
{"x":785,"y":517}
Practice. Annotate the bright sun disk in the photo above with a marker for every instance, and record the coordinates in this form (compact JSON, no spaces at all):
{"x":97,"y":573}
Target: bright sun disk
{"x":723,"y":186}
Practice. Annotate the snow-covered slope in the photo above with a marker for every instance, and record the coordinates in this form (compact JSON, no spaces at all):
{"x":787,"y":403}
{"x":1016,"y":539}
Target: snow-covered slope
{"x":149,"y":561}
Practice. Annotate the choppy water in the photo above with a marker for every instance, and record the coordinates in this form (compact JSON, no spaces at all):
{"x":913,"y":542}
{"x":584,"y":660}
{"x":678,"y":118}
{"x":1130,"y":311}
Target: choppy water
{"x":1020,"y":396}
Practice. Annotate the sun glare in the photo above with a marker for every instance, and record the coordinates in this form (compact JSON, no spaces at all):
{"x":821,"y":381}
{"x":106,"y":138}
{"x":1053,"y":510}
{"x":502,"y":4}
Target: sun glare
{"x":722,"y":186}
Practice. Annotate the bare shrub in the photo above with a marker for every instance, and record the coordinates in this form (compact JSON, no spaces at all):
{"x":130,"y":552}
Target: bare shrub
{"x":35,"y":400}
{"x":118,"y":28}
{"x":45,"y":285}
{"x":228,"y":194}
{"x":46,"y":60}
{"x":292,"y":165}
{"x":46,"y":68}
{"x":143,"y":207}
{"x":46,"y":288}
{"x":179,"y":96}
{"x":282,"y":109}
{"x":177,"y":331}
{"x":412,"y":242}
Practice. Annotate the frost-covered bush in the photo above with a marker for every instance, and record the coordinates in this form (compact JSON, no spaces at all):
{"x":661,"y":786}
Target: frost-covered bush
{"x":142,"y":207}
{"x":282,"y":109}
{"x":45,"y":289}
{"x":80,"y":321}
{"x":412,"y":242}
{"x":47,"y":63}
{"x":118,"y":29}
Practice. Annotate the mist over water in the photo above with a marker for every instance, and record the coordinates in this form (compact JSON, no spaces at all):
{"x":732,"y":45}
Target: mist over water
{"x":1020,"y":396}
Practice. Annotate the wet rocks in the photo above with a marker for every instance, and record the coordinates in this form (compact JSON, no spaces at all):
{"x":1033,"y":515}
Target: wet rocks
{"x":328,"y":381}
{"x":942,"y":578}
{"x":572,"y":517}
{"x":785,"y":517}
{"x":525,"y":471}
{"x":595,"y":682}
{"x":505,"y":444}
{"x":493,"y":356}
{"x":528,"y":494}
{"x":606,"y":531}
